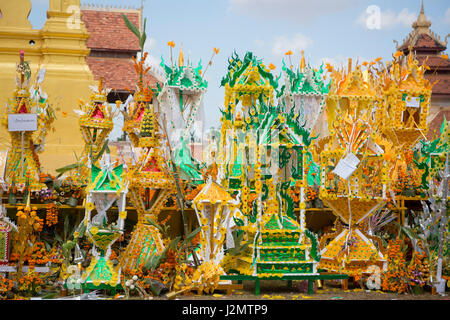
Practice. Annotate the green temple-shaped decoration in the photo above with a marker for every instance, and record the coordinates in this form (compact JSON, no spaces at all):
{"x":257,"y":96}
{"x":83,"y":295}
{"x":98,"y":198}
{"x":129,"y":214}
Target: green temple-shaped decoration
{"x":304,"y":93}
{"x":106,"y":188}
{"x":180,"y":99}
{"x":264,"y":150}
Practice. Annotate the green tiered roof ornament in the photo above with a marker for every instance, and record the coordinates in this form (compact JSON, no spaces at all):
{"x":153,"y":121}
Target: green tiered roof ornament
{"x":180,"y":99}
{"x":305,"y":91}
{"x":106,"y":188}
{"x":263,"y":154}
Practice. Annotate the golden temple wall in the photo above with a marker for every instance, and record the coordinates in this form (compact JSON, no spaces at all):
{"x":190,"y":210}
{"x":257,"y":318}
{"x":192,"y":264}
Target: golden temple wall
{"x":60,"y":48}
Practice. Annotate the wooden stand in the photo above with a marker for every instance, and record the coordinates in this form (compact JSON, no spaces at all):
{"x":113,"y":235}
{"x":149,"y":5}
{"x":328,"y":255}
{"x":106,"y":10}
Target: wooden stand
{"x":310,"y":278}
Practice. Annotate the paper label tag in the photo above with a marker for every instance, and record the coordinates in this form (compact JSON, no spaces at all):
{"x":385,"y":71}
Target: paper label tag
{"x":346,"y":166}
{"x":22,"y":122}
{"x":414,"y":102}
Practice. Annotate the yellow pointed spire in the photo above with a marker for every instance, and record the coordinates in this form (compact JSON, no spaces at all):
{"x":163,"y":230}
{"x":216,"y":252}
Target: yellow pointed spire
{"x":302,"y":61}
{"x":181,"y":58}
{"x":100,"y":85}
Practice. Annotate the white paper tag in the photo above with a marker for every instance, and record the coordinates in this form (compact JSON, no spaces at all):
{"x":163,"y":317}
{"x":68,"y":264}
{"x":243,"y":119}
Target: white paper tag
{"x":22,"y":122}
{"x":41,"y":75}
{"x":414,"y":102}
{"x":346,"y":166}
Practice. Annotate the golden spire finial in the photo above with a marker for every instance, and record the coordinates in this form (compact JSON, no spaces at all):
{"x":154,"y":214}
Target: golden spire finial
{"x":181,"y":58}
{"x":100,"y":85}
{"x":302,"y":61}
{"x":422,"y":24}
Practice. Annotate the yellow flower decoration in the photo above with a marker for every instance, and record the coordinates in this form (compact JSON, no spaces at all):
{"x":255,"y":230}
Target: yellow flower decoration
{"x":123,"y":215}
{"x":94,"y":230}
{"x":90,"y":206}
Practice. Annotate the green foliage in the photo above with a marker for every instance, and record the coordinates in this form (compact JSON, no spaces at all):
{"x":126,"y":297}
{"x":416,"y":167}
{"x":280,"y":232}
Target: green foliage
{"x":142,"y":37}
{"x":188,"y":239}
{"x":289,"y":202}
{"x":238,"y":246}
{"x":315,"y":252}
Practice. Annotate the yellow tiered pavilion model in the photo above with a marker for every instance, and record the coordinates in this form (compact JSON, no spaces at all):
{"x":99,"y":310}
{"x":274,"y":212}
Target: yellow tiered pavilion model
{"x":96,"y":123}
{"x":150,"y":185}
{"x":134,"y":115}
{"x":406,"y":103}
{"x":214,"y":208}
{"x":353,"y":174}
{"x":22,"y":163}
{"x":134,"y":110}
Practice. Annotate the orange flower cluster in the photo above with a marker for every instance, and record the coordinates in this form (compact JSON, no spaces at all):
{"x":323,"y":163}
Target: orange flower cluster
{"x":43,"y":176}
{"x":113,"y":255}
{"x":52,"y":214}
{"x":30,"y":283}
{"x":171,"y":258}
{"x":295,"y":194}
{"x":395,"y":278}
{"x":5,"y":284}
{"x":141,"y":71}
{"x":191,"y":195}
{"x":38,"y":255}
{"x":30,"y":217}
{"x":169,"y":216}
{"x":311,"y":194}
{"x":406,"y":181}
{"x":409,"y":156}
{"x":251,"y":197}
{"x":419,"y":270}
{"x":196,"y":240}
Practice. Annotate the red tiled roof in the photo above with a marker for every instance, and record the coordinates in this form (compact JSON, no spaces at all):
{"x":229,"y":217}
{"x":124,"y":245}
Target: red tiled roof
{"x":442,"y":87}
{"x":118,"y":73}
{"x":108,"y":30}
{"x":425,"y":42}
{"x":434,"y":129}
{"x":434,"y":61}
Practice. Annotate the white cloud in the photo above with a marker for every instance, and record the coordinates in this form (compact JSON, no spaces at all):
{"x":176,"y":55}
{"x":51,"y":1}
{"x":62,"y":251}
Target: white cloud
{"x":296,"y":43}
{"x":387,"y":19}
{"x":294,"y":10}
{"x":447,"y":16}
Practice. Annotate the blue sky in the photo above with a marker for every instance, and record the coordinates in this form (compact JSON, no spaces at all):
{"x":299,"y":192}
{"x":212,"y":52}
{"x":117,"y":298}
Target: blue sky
{"x":326,"y":29}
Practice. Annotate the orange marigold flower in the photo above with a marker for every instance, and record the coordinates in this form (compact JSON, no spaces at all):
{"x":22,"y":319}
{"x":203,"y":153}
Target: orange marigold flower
{"x":288,"y":53}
